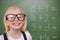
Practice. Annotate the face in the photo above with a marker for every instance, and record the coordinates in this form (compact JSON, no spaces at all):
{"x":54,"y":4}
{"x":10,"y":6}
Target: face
{"x":15,"y":19}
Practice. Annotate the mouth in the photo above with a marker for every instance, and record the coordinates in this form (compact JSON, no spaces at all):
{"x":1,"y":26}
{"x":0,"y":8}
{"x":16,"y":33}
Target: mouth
{"x":16,"y":24}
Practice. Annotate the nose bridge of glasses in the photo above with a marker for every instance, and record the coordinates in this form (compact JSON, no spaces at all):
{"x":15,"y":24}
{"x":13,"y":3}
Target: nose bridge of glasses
{"x":16,"y":17}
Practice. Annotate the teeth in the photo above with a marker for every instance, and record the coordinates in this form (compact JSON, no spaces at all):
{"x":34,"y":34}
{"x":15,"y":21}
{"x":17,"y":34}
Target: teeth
{"x":16,"y":24}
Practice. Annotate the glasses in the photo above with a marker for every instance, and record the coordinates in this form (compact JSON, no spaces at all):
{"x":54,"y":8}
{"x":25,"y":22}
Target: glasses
{"x":12,"y":17}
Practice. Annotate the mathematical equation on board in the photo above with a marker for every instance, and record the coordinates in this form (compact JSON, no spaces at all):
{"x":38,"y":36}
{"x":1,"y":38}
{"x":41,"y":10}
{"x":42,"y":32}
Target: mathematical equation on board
{"x":42,"y":26}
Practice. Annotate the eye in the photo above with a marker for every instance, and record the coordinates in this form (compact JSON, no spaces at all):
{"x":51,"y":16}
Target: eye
{"x":20,"y":16}
{"x":10,"y":17}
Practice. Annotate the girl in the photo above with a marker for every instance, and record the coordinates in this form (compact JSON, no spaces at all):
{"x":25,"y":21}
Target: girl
{"x":15,"y":23}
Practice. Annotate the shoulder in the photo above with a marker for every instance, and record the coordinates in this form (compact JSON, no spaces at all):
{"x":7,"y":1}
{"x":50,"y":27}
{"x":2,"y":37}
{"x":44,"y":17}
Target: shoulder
{"x":28,"y":35}
{"x":1,"y":37}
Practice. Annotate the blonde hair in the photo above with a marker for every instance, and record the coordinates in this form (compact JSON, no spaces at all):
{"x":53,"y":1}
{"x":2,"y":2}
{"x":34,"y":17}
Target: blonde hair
{"x":6,"y":26}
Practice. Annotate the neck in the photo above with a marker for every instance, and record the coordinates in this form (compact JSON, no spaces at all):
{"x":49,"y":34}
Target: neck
{"x":14,"y":33}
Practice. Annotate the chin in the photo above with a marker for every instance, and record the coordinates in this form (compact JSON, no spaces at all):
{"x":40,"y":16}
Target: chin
{"x":17,"y":27}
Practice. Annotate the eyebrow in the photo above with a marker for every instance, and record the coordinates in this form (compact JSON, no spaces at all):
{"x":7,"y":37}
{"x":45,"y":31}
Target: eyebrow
{"x":16,"y":14}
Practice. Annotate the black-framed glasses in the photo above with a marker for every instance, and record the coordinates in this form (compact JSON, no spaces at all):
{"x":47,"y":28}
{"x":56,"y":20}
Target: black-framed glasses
{"x":12,"y":17}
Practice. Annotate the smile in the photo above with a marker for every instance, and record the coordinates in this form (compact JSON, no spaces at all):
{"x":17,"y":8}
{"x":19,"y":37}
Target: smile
{"x":16,"y":24}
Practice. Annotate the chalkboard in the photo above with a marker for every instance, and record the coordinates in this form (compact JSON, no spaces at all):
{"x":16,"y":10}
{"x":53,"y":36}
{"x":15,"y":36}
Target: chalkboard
{"x":43,"y":17}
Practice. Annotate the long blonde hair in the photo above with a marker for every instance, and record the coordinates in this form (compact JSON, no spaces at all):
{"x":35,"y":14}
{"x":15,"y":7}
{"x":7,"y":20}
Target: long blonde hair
{"x":7,"y":28}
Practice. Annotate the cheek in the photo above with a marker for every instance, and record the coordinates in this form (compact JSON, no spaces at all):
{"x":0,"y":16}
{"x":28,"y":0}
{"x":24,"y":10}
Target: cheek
{"x":8,"y":23}
{"x":23,"y":23}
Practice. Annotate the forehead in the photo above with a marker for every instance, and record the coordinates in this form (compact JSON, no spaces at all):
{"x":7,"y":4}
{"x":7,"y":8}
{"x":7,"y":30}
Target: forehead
{"x":14,"y":10}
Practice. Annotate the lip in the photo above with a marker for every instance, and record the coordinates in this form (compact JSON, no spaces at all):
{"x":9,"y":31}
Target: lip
{"x":16,"y":24}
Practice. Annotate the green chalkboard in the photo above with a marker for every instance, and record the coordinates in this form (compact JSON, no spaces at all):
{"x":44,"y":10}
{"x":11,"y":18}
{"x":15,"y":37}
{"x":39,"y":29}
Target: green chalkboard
{"x":43,"y":17}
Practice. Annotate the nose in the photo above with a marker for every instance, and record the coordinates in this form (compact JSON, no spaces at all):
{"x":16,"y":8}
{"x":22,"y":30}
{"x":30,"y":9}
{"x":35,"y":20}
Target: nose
{"x":16,"y":19}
